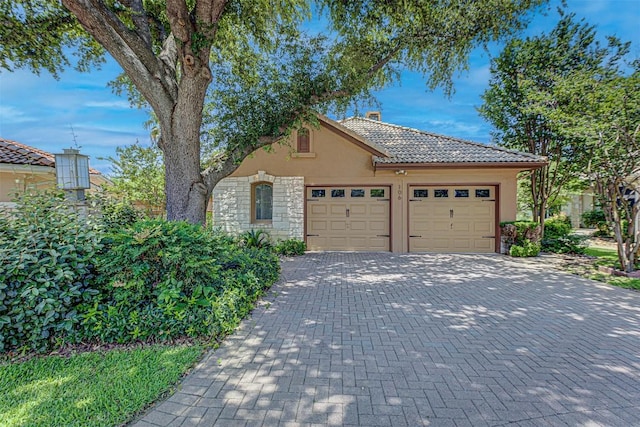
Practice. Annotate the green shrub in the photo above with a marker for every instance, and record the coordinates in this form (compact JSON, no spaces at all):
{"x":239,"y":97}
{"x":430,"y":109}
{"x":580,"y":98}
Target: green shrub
{"x":596,"y":218}
{"x":117,"y":214}
{"x":527,"y":249}
{"x":290,"y":247}
{"x":571,"y":244}
{"x":46,"y":270}
{"x":161,"y":280}
{"x":256,"y":238}
{"x":557,"y":227}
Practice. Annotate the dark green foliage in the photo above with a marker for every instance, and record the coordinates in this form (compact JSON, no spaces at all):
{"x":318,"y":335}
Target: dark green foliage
{"x":597,"y":219}
{"x":569,"y":244}
{"x":526,"y":249}
{"x":68,"y":278}
{"x":290,"y":247}
{"x":117,"y":214}
{"x":558,"y":238}
{"x":256,"y":238}
{"x":557,"y":226}
{"x":521,"y":237}
{"x":162,"y":280}
{"x":46,"y":270}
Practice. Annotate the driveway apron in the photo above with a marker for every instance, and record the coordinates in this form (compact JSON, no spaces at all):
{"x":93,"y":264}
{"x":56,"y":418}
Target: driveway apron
{"x":384,"y":339}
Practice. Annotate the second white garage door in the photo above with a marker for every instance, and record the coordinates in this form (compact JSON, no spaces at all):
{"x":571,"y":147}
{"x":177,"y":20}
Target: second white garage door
{"x":452,"y":219}
{"x":348,"y":218}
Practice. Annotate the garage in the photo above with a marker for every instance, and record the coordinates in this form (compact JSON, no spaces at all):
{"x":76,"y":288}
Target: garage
{"x":348,"y":218}
{"x":452,"y":218}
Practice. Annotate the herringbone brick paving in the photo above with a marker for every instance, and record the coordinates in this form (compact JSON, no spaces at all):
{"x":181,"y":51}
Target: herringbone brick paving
{"x":362,"y":339}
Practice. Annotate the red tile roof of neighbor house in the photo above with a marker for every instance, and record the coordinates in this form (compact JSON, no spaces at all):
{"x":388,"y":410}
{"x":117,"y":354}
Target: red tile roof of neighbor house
{"x":14,"y":153}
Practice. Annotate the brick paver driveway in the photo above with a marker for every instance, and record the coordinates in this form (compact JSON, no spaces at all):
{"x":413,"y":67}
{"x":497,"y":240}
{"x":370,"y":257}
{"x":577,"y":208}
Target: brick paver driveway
{"x":395,"y":340}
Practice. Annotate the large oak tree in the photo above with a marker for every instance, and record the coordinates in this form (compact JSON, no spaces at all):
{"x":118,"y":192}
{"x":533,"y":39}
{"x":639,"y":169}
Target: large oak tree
{"x":236,"y":75}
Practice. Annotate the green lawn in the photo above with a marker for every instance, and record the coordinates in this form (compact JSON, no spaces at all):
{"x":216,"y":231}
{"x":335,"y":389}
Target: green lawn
{"x":90,"y":389}
{"x":609,"y":258}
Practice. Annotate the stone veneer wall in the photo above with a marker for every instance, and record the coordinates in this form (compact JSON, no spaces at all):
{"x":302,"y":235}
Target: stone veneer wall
{"x":232,"y":205}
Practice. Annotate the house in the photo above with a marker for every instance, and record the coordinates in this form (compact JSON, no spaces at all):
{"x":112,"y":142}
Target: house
{"x":25,"y":168}
{"x":360,"y":184}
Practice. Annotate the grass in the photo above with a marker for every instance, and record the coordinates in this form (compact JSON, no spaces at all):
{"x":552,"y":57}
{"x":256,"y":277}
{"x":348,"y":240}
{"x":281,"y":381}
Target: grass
{"x":609,"y":257}
{"x":90,"y":389}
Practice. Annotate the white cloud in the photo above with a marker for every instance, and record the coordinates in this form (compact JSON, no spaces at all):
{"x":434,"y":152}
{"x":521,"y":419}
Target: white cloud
{"x":122,"y":105}
{"x":14,"y":115}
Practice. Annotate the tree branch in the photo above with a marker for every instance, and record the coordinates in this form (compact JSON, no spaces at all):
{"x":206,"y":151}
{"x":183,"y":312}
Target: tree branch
{"x":127,"y":47}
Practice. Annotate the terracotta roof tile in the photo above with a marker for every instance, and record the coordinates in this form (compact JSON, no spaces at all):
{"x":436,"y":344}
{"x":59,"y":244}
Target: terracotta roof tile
{"x":406,"y":145}
{"x":12,"y":152}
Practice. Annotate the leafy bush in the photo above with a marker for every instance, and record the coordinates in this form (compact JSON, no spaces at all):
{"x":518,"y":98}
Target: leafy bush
{"x":596,"y":218}
{"x":557,"y":227}
{"x":527,"y":249}
{"x":571,"y":244}
{"x":290,"y":247}
{"x":161,"y":280}
{"x":116,"y":214}
{"x":46,"y":271}
{"x":256,"y":238}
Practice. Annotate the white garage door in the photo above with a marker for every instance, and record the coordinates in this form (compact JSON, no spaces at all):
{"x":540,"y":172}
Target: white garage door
{"x":348,"y":218}
{"x":452,"y":219}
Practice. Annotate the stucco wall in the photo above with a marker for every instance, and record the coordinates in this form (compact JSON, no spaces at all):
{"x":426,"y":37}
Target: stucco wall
{"x":335,"y":160}
{"x":232,"y":205}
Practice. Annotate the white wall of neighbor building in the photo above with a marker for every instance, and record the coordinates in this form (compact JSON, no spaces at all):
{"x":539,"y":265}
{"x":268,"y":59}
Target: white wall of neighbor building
{"x":232,"y":205}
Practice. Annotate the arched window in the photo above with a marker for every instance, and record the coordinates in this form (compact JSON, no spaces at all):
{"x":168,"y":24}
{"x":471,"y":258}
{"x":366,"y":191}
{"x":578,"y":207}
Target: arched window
{"x":263,"y":202}
{"x":304,"y":145}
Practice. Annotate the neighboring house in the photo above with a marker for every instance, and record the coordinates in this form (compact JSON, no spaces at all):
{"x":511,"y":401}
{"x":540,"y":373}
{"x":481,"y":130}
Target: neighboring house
{"x":25,"y":168}
{"x":364,"y":185}
{"x":578,"y":204}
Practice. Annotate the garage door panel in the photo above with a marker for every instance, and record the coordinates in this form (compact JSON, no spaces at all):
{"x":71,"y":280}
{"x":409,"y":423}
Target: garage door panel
{"x":317,"y":209}
{"x":357,"y":209}
{"x":379,"y":209}
{"x":338,"y":209}
{"x":338,"y":226}
{"x":379,"y":226}
{"x":356,"y":221}
{"x":315,"y":226}
{"x":458,"y":221}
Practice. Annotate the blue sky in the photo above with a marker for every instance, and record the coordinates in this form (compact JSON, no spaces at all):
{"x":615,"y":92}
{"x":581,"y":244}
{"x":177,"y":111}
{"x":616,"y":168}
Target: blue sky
{"x":79,"y":109}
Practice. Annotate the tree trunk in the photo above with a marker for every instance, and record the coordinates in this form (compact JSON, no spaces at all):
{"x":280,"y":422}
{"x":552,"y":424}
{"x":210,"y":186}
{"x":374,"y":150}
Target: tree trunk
{"x":184,"y":185}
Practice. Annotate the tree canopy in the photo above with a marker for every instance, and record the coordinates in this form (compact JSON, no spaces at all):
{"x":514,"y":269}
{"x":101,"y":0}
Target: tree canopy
{"x":522,"y":101}
{"x":241,"y":74}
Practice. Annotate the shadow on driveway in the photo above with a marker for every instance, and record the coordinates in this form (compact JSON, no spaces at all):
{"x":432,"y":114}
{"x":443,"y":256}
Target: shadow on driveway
{"x":400,"y":339}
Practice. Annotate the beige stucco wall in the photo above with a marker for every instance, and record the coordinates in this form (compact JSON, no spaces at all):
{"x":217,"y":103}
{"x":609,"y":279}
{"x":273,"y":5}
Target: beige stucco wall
{"x":20,"y":181}
{"x":337,"y":161}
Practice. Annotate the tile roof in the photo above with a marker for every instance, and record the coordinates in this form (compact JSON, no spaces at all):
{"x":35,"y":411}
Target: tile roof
{"x":19,"y":154}
{"x":14,"y":153}
{"x":406,"y":145}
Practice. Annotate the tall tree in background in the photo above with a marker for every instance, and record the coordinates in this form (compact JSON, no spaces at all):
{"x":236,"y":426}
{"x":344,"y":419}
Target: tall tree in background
{"x":602,"y":110}
{"x":263,"y":75}
{"x":521,"y":102}
{"x":138,"y":177}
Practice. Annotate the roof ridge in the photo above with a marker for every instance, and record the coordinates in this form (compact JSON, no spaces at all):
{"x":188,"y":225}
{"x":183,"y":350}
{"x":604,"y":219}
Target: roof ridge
{"x":453,"y":138}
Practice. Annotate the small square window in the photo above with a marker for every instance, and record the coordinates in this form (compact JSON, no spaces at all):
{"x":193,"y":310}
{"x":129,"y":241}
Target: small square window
{"x":318,"y":193}
{"x":420,"y":193}
{"x":337,"y":193}
{"x":357,"y":192}
{"x":484,"y":192}
{"x":462,"y":193}
{"x":377,"y":192}
{"x":441,"y":193}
